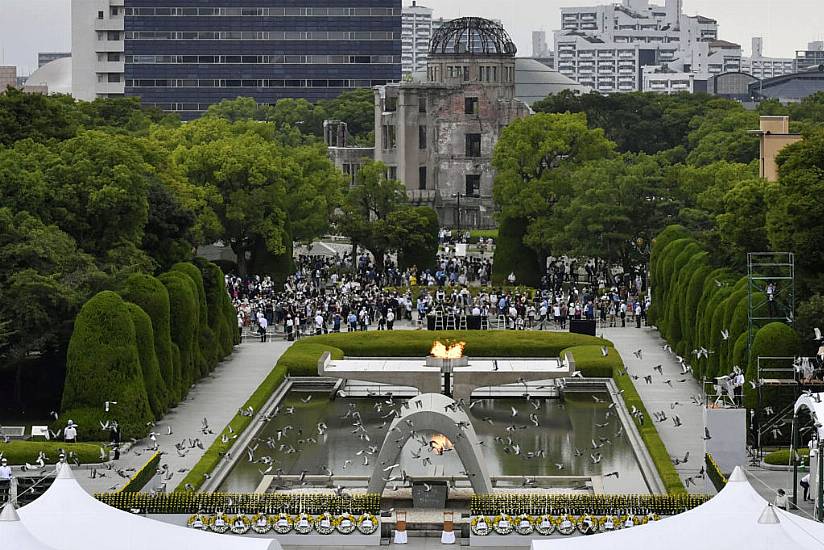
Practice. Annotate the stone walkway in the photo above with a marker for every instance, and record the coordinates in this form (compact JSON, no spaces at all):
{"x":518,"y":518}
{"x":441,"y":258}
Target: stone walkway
{"x":216,"y":398}
{"x":660,"y":396}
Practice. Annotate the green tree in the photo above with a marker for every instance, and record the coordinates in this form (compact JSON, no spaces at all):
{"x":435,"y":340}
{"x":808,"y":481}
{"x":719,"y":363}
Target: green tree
{"x":367,"y":208}
{"x":724,"y":135}
{"x":795,"y":220}
{"x":534,"y":161}
{"x":36,"y":116}
{"x":415,"y":236}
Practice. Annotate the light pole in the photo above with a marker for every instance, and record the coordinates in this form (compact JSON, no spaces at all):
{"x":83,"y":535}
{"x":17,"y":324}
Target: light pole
{"x":458,"y":217}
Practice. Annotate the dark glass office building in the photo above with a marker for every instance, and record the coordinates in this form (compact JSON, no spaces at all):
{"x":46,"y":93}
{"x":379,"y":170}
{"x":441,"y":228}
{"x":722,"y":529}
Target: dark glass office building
{"x":184,"y":55}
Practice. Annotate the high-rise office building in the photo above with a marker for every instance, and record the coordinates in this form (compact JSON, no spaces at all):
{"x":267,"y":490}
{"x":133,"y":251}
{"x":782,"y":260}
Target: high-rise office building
{"x":636,"y":46}
{"x":417,"y":34}
{"x":539,"y":45}
{"x":184,"y":55}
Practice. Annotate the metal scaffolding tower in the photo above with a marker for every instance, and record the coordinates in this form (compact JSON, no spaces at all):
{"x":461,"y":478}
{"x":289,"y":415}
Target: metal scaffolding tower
{"x":770,"y":290}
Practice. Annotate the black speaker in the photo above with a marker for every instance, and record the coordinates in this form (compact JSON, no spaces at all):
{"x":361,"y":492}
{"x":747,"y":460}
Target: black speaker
{"x":582,"y":326}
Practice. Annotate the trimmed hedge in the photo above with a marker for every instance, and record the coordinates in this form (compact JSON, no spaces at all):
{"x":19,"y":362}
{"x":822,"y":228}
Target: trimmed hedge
{"x":102,"y":365}
{"x":153,"y":298}
{"x":497,"y":343}
{"x":209,"y":355}
{"x":216,"y":300}
{"x":772,"y":340}
{"x":19,"y":452}
{"x":183,"y":303}
{"x":144,"y":335}
{"x":781,"y":457}
{"x":143,"y":476}
{"x":719,"y":480}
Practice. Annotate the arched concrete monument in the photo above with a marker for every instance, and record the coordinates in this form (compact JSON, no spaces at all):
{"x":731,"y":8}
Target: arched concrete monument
{"x":440,"y":414}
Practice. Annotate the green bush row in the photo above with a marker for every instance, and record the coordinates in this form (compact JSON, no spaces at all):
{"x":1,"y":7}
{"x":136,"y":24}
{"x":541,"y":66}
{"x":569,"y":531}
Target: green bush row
{"x":143,"y":476}
{"x":19,"y":452}
{"x":696,"y":305}
{"x":719,"y":480}
{"x":591,"y":362}
{"x":144,"y":346}
{"x":781,"y":457}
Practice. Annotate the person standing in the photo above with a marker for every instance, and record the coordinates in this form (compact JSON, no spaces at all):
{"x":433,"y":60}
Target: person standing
{"x":263,"y":325}
{"x":70,"y":432}
{"x":390,"y":319}
{"x":5,"y":471}
{"x":638,"y":314}
{"x":805,"y":484}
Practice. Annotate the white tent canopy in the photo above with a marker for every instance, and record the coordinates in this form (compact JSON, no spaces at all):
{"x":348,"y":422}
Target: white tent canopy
{"x":66,"y":517}
{"x":737,"y":518}
{"x":13,"y":534}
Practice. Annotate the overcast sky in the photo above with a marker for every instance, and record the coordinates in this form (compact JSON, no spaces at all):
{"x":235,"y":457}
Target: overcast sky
{"x":31,"y":26}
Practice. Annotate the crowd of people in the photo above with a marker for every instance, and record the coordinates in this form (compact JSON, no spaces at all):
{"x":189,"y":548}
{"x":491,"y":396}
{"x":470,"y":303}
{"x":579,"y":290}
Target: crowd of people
{"x":328,"y":295}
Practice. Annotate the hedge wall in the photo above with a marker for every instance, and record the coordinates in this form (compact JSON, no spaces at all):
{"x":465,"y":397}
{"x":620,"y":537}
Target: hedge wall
{"x":103,"y":364}
{"x":694,"y":303}
{"x":184,"y":325}
{"x":153,"y":298}
{"x":151,"y":341}
{"x":155,"y":386}
{"x":773,"y":340}
{"x":143,"y":476}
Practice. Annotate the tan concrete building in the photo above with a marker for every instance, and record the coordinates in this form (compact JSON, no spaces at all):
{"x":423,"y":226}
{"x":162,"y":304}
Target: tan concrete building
{"x":775,"y":135}
{"x":8,"y":77}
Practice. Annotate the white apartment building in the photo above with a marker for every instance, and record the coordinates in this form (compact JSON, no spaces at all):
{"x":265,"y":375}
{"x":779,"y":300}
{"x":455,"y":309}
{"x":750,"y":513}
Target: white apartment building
{"x":766,"y":67}
{"x":620,"y":47}
{"x":417,"y":28}
{"x":97,"y":49}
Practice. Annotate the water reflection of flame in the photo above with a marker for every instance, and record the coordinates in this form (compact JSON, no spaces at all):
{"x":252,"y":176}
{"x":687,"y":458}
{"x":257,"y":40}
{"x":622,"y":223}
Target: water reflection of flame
{"x":441,"y":351}
{"x":440,"y":444}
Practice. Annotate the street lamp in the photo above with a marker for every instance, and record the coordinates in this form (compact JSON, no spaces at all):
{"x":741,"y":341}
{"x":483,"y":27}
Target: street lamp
{"x":458,"y":218}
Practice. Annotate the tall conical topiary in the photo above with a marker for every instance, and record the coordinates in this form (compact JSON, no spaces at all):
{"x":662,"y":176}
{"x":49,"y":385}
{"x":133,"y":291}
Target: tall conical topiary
{"x":144,"y":336}
{"x":183,"y":304}
{"x":103,"y":364}
{"x":206,"y":353}
{"x":216,"y":300}
{"x":153,"y":298}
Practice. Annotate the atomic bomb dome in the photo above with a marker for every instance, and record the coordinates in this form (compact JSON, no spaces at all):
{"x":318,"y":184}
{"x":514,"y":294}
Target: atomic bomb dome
{"x":472,"y":36}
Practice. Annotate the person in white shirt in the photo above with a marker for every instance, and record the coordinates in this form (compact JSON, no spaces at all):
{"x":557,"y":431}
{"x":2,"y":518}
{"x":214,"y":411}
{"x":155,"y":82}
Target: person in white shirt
{"x":390,"y":319}
{"x":263,"y":323}
{"x":319,"y":323}
{"x":805,"y":484}
{"x":70,"y":433}
{"x":781,"y":499}
{"x":5,"y":470}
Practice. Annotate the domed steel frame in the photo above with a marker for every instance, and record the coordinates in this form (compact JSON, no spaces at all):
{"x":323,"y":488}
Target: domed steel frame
{"x":472,"y":36}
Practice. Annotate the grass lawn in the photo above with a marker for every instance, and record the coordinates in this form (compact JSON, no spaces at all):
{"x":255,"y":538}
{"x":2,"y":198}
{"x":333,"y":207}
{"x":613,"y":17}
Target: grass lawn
{"x":301,"y":359}
{"x":18,"y":452}
{"x":782,"y":457}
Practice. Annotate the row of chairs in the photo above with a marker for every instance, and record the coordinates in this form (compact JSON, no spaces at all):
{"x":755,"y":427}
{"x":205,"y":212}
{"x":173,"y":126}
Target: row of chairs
{"x":459,"y":322}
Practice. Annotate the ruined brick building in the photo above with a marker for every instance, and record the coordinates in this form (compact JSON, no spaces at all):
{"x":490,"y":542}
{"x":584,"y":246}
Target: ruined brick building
{"x":437,"y":131}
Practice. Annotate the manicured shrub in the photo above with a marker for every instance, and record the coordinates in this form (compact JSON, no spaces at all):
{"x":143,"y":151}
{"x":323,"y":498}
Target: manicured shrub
{"x":694,"y":287}
{"x":206,"y":356}
{"x":102,"y":365}
{"x":144,"y":335}
{"x":665,"y":276}
{"x":214,"y":285}
{"x":302,"y":359}
{"x":739,"y":352}
{"x":772,"y":340}
{"x":513,"y":256}
{"x":183,"y":303}
{"x":153,"y":298}
{"x":18,"y":452}
{"x":677,"y":290}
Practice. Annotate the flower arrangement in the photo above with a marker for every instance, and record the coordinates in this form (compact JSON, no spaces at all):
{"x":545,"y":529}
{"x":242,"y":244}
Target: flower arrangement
{"x":545,"y":525}
{"x":303,"y":523}
{"x":239,"y":524}
{"x":219,"y":523}
{"x":261,"y":523}
{"x":596,"y":505}
{"x":367,"y":523}
{"x":609,"y":523}
{"x":325,"y":524}
{"x":525,"y":524}
{"x":282,"y":523}
{"x":345,"y":523}
{"x":566,"y":524}
{"x":502,"y":523}
{"x":587,"y":524}
{"x":198,"y":521}
{"x":480,"y":525}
